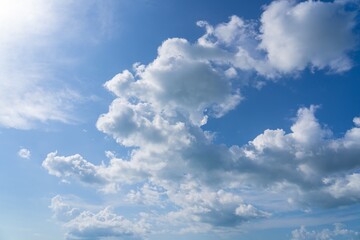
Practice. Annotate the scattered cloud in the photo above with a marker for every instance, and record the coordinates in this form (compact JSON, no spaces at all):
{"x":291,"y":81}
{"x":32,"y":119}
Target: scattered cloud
{"x":338,"y":232}
{"x":24,"y":153}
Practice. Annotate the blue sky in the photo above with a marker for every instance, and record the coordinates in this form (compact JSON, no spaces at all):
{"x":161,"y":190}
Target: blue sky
{"x":179,"y":120}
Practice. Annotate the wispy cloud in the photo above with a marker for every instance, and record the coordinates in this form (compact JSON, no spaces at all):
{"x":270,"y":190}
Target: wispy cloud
{"x":34,"y":36}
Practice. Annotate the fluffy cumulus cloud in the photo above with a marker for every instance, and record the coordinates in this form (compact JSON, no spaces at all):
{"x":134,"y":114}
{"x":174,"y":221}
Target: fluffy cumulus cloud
{"x":310,"y":33}
{"x":177,"y":170}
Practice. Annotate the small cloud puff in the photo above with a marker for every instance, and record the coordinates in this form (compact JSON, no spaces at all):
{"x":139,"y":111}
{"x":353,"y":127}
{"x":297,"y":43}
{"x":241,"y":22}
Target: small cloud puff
{"x":24,"y":153}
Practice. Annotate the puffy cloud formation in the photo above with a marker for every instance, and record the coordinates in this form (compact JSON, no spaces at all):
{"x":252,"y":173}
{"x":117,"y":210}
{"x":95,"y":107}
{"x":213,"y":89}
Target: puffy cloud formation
{"x":339,"y":232}
{"x":176,"y":168}
{"x":24,"y":153}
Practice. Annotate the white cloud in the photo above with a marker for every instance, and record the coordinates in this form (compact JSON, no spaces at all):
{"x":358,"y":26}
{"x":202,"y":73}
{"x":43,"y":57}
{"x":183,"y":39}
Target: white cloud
{"x":24,"y":153}
{"x":310,"y":33}
{"x":339,"y":232}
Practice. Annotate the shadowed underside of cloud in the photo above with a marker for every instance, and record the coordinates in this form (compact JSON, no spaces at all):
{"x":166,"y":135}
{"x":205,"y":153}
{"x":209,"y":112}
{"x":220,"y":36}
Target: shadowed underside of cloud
{"x":160,"y":109}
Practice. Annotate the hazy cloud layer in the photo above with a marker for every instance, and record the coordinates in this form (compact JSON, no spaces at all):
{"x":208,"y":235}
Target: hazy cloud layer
{"x":174,"y":165}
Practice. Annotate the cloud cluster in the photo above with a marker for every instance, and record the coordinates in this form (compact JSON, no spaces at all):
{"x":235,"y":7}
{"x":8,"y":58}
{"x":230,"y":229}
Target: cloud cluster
{"x":175,"y":165}
{"x":207,"y":182}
